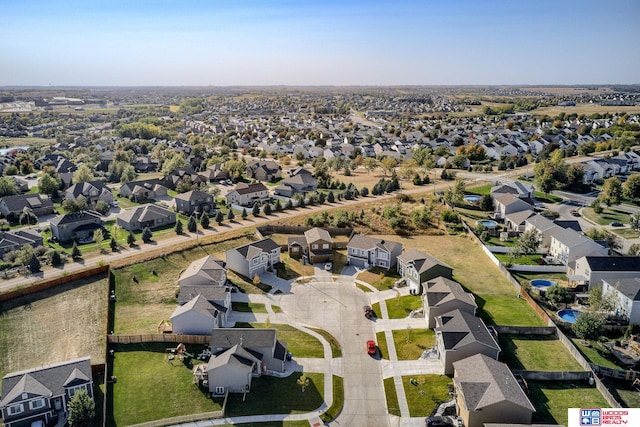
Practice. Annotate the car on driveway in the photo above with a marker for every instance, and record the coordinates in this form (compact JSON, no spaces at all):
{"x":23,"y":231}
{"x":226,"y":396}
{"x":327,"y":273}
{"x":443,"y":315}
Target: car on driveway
{"x":371,"y":347}
{"x":574,"y":212}
{"x":368,"y":312}
{"x":616,"y":224}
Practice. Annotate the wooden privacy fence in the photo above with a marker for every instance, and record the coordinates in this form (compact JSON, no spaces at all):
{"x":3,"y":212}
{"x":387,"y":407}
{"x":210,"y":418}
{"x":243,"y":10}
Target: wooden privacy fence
{"x":149,"y":338}
{"x":620,"y":374}
{"x":554,"y":375}
{"x":525,"y":330}
{"x":290,"y":229}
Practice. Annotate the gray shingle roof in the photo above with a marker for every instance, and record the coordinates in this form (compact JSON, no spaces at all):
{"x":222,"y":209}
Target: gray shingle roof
{"x":247,"y":337}
{"x":442,"y":290}
{"x":252,"y":249}
{"x":361,"y":241}
{"x":421,"y":260}
{"x":460,"y":328}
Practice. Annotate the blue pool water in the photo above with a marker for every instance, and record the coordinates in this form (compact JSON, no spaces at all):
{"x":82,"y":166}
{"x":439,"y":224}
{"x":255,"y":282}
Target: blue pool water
{"x":488,"y":223}
{"x":472,"y":198}
{"x":542,"y":284}
{"x":569,"y":315}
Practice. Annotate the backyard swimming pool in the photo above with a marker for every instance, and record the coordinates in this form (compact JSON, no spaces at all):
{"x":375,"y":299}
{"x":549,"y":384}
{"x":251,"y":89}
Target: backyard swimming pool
{"x":542,"y":283}
{"x":569,"y":315}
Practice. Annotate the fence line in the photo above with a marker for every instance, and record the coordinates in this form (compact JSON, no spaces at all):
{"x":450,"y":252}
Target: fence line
{"x":162,"y":338}
{"x":290,"y":229}
{"x":553,"y":375}
{"x":525,"y":330}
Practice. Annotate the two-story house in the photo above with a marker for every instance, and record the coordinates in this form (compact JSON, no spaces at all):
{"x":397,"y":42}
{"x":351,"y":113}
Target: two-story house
{"x":253,"y":259}
{"x":568,"y":245}
{"x":442,"y":296}
{"x":367,"y":252}
{"x":195,"y":202}
{"x":417,"y":267}
{"x":43,"y":394}
{"x":299,"y":180}
{"x":247,"y":194}
{"x":148,"y":189}
{"x":91,"y":191}
{"x":264,"y":170}
{"x":592,"y":270}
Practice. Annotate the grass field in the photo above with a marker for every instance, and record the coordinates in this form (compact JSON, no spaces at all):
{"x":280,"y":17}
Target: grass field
{"x":381,"y":342}
{"x":410,"y":343}
{"x":536,"y":353}
{"x":608,"y":215}
{"x":336,"y":350}
{"x":427,"y":395}
{"x":495,"y":296}
{"x":6,"y":142}
{"x":249,"y":307}
{"x":552,"y":398}
{"x":299,"y":343}
{"x":379,"y":278}
{"x":55,"y":325}
{"x":623,"y":392}
{"x":392,"y":396}
{"x":399,"y":308}
{"x":598,"y":354}
{"x":150,"y":388}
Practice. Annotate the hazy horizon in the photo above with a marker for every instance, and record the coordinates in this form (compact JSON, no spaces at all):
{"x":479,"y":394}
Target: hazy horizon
{"x":65,"y":43}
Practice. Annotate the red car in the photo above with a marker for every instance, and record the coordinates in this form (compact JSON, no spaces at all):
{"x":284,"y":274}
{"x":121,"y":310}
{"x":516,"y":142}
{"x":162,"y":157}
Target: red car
{"x":371,"y":347}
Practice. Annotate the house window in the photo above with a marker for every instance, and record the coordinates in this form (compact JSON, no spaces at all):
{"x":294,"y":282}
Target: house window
{"x":15,"y":409}
{"x":74,"y":390}
{"x":295,"y":249}
{"x":314,"y":246}
{"x":255,"y":261}
{"x":36,"y":404}
{"x":325,"y":246}
{"x":219,"y":390}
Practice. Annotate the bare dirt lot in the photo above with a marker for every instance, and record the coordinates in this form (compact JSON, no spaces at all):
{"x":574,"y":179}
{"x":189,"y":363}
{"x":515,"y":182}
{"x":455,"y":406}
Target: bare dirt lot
{"x":54,"y":325}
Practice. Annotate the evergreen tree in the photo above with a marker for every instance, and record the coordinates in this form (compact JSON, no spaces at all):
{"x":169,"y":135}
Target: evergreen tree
{"x":192,"y":225}
{"x":146,"y":235}
{"x":267,"y":209}
{"x":114,"y":244}
{"x":364,"y":192}
{"x":231,"y":215}
{"x":34,"y":264}
{"x":256,"y":209}
{"x":56,"y":259}
{"x":204,"y":220}
{"x":289,"y":204}
{"x":75,"y":252}
{"x":179,"y":228}
{"x":82,"y":410}
{"x":131,"y":239}
{"x":278,"y":206}
{"x":331,"y":197}
{"x":244,"y":213}
{"x":220,"y":217}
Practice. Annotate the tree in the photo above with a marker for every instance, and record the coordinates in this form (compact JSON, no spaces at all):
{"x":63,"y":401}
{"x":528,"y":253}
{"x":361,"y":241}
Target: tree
{"x":113,"y":244}
{"x":634,"y":250}
{"x":146,"y":235}
{"x":204,"y":220}
{"x":177,"y":161}
{"x":303,"y":382}
{"x":47,"y":184}
{"x":255,"y":211}
{"x":128,"y":174}
{"x":231,"y":215}
{"x":597,"y":207}
{"x":575,"y":176}
{"x":388,"y":164}
{"x":34,"y":264}
{"x":82,"y":410}
{"x":131,"y":239}
{"x":486,"y":203}
{"x":267,"y":209}
{"x":235,"y":168}
{"x":364,"y":192}
{"x":220,"y":216}
{"x":102,"y":207}
{"x":98,"y":237}
{"x":83,"y":174}
{"x":558,"y":294}
{"x":331,"y":197}
{"x":27,"y":217}
{"x":547,"y":183}
{"x":588,"y":326}
{"x":599,"y":301}
{"x":75,"y":251}
{"x":256,"y":280}
{"x":56,"y":259}
{"x":611,"y":192}
{"x":192,"y":224}
{"x":634,"y":221}
{"x":8,"y":186}
{"x":179,"y":228}
{"x":631,"y":188}
{"x":244,"y":214}
{"x":370,"y":164}
{"x":529,"y":242}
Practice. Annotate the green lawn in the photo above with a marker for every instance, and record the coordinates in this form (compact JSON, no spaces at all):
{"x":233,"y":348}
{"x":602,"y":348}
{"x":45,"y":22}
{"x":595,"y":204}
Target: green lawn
{"x":623,"y":392}
{"x":276,"y":309}
{"x":481,"y":191}
{"x":521,"y":260}
{"x":552,"y":398}
{"x":363,"y":288}
{"x":149,"y":387}
{"x":376,"y":310}
{"x":495,"y":241}
{"x":399,"y":308}
{"x":336,"y":350}
{"x":379,"y":278}
{"x":383,"y":348}
{"x":299,"y":343}
{"x":249,"y":307}
{"x":526,"y":278}
{"x":546,"y":198}
{"x":608,"y":215}
{"x":392,"y":396}
{"x":507,"y":310}
{"x":410,"y":343}
{"x":427,"y":395}
{"x":598,"y":354}
{"x":537,"y":353}
{"x":271,"y":395}
{"x":338,"y":400}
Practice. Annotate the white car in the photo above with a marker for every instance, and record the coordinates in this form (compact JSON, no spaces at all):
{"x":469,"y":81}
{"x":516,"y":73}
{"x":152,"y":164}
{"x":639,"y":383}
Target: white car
{"x":328,"y":266}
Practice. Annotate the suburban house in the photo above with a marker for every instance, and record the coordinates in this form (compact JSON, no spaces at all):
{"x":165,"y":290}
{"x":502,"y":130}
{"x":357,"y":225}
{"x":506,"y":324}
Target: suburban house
{"x":516,"y":221}
{"x":91,"y":191}
{"x":442,"y":295}
{"x":299,"y":180}
{"x":209,"y":271}
{"x":145,"y":164}
{"x":568,"y":245}
{"x":229,"y":371}
{"x":195,"y":201}
{"x":460,"y":334}
{"x":43,"y":394}
{"x":16,"y":239}
{"x":319,"y":245}
{"x":254,"y":258}
{"x":592,"y":270}
{"x":487,"y":392}
{"x":367,"y":252}
{"x":149,"y":189}
{"x":198,"y":317}
{"x":149,"y":215}
{"x":505,"y":204}
{"x":215,"y":173}
{"x":13,"y":206}
{"x":520,"y":190}
{"x":264,"y":170}
{"x":417,"y":267}
{"x":545,"y":228}
{"x":75,"y":225}
{"x":247,"y":194}
{"x":627,"y":296}
{"x":262,"y":342}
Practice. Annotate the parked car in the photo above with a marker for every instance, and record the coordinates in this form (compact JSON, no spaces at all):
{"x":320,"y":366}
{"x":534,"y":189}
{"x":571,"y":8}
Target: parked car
{"x":574,"y":212}
{"x":328,"y":266}
{"x":368,"y":312}
{"x":371,"y":347}
{"x":616,"y":224}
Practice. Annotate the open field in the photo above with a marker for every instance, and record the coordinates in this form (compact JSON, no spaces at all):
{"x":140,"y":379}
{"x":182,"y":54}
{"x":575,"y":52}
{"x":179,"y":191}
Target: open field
{"x":608,"y":215}
{"x":7,"y":142}
{"x":587,"y":109}
{"x":495,"y":296}
{"x":536,"y":353}
{"x":55,"y":325}
{"x":427,"y":395}
{"x":150,"y":387}
{"x":552,"y":398}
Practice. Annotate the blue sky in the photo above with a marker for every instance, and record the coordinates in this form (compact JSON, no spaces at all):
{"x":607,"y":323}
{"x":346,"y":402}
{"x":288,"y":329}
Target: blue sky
{"x":280,"y":42}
